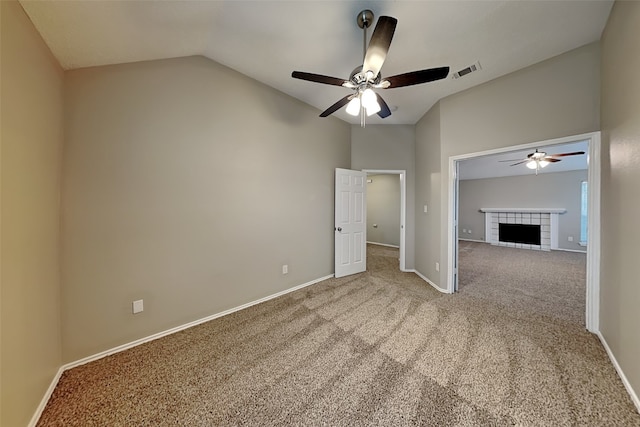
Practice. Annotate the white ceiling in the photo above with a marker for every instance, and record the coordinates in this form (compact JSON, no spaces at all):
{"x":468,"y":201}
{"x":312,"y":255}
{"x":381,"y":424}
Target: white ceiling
{"x":267,"y":40}
{"x":494,"y":166}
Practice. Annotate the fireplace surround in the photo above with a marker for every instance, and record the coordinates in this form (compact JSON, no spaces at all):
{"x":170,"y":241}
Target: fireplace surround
{"x":545,"y":218}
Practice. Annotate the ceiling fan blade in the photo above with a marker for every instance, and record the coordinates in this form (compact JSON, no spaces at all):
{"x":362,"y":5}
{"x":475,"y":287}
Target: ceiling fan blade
{"x":418,"y":77}
{"x":551,"y":159}
{"x":379,"y":45}
{"x":318,"y":78}
{"x":519,"y":163}
{"x":338,"y":105}
{"x":384,"y":108}
{"x":575,"y":153}
{"x":512,"y":160}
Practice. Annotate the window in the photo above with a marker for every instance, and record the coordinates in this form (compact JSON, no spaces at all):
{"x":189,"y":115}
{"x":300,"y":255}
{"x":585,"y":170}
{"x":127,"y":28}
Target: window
{"x":583,"y":213}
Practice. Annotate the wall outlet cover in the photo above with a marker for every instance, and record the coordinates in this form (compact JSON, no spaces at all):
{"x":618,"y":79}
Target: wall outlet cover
{"x":138,"y":306}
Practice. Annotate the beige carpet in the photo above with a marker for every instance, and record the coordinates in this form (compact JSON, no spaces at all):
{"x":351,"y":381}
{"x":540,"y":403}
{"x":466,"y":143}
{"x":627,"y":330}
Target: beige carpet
{"x":378,"y":348}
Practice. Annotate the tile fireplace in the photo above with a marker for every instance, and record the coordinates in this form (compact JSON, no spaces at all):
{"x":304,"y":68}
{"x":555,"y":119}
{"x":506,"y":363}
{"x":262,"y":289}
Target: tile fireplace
{"x":523,"y":228}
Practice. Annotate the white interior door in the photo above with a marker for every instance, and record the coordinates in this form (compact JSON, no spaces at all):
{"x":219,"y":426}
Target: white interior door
{"x":350,"y":222}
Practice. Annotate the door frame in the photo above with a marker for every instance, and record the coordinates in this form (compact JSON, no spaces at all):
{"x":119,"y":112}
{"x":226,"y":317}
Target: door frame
{"x":593,"y":225}
{"x":403,"y":208}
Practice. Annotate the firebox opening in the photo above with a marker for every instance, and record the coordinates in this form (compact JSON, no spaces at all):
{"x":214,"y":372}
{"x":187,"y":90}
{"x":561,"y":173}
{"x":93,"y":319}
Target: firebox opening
{"x":519,"y":233}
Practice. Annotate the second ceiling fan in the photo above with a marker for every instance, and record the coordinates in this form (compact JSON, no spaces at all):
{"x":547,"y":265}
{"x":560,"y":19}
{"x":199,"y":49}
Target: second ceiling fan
{"x":540,"y":159}
{"x":364,"y":101}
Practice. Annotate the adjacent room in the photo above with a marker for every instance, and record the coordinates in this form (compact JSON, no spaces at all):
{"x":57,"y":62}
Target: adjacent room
{"x":188,"y":234}
{"x":522,"y":230}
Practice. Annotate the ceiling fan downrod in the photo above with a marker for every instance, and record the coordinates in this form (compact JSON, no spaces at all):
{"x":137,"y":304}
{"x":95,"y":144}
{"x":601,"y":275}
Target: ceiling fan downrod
{"x":364,"y":20}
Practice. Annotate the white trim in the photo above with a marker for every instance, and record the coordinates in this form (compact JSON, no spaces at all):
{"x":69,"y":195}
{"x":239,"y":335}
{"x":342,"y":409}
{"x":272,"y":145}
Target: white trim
{"x":403,"y":208}
{"x":593,"y":233}
{"x":123,"y":347}
{"x":45,"y":399}
{"x":383,"y":244}
{"x":423,"y":277}
{"x":471,"y":240}
{"x":524,"y":210}
{"x":623,"y":377}
{"x":452,"y":227}
{"x":570,"y":250}
{"x":554,"y":230}
{"x":593,"y":226}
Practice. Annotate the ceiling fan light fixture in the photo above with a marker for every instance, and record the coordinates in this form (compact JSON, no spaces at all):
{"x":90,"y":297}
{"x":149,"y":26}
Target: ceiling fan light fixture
{"x":373,"y":108}
{"x":543,"y":163}
{"x":364,"y":101}
{"x":368,"y":98}
{"x":370,"y":101}
{"x":532,"y":164}
{"x":353,"y":107}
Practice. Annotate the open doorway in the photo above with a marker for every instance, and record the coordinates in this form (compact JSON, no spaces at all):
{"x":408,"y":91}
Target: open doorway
{"x":386,"y":210}
{"x":593,"y":201}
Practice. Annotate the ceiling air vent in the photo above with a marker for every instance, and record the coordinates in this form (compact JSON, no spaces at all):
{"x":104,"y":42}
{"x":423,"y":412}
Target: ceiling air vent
{"x":470,"y":69}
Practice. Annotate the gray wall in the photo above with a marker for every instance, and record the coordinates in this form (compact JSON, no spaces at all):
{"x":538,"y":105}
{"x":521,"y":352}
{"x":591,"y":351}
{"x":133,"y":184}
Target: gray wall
{"x":428,"y":183}
{"x":31,"y":138}
{"x":188,"y":185}
{"x":547,"y":190}
{"x":620,"y":273}
{"x":389,"y":147}
{"x":383,"y":209}
{"x":555,"y":98}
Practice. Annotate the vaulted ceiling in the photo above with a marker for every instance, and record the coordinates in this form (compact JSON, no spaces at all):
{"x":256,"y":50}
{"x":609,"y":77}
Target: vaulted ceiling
{"x":267,"y":40}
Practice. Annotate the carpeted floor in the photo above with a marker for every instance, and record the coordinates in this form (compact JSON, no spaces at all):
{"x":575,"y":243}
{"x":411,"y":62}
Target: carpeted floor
{"x":377,"y":348}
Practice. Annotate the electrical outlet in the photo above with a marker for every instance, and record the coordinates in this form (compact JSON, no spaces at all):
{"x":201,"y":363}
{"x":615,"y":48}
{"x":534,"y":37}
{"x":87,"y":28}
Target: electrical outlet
{"x":285,"y":269}
{"x":426,"y":209}
{"x":464,"y":230}
{"x":437,"y":266}
{"x":138,"y":306}
{"x":570,"y":238}
{"x":469,"y":231}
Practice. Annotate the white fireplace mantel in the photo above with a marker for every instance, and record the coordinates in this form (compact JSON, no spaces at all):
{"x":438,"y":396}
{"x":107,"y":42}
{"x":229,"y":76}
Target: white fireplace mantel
{"x":525,"y":210}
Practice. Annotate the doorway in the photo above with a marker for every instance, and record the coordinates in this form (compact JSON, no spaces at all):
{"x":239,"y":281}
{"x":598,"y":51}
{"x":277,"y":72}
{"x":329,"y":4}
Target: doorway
{"x":593,"y":226}
{"x":401,"y":175}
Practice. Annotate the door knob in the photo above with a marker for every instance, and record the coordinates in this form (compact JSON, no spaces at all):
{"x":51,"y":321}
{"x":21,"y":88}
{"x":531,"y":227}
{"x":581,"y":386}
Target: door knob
{"x":338,"y":229}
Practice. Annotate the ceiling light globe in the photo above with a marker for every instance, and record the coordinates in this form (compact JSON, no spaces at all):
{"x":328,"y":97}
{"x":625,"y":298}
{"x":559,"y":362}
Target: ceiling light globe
{"x":531,"y":164}
{"x":369,"y":99}
{"x":543,"y":163}
{"x":373,"y":108}
{"x":353,"y":107}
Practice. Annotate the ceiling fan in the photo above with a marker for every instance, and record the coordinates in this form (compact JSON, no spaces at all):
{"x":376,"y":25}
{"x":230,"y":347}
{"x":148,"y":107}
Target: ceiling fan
{"x":540,"y":159}
{"x":364,"y":101}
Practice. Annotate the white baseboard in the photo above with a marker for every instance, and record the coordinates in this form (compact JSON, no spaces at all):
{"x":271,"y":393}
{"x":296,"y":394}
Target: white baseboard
{"x":472,"y":240}
{"x":570,"y":250}
{"x":123,"y":347}
{"x":382,"y":244}
{"x":423,"y":277}
{"x":623,"y":377}
{"x":45,"y":398}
